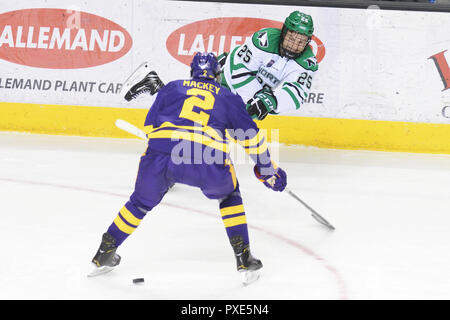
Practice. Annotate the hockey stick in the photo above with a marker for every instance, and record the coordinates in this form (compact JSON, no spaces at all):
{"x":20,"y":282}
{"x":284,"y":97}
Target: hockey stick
{"x":315,"y":215}
{"x":128,"y":127}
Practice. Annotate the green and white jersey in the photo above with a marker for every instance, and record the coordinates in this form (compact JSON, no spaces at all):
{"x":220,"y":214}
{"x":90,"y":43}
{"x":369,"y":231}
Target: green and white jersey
{"x":257,"y":64}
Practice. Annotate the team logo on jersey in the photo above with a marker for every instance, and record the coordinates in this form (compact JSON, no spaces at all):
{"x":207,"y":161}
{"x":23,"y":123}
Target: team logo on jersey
{"x":311,"y":61}
{"x":271,"y":62}
{"x":262,"y":38}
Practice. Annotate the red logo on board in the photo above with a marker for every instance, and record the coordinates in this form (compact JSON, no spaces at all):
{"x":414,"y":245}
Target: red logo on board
{"x":60,"y":39}
{"x":220,"y":35}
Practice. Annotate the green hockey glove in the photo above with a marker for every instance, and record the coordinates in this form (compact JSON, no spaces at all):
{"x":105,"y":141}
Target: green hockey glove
{"x":262,"y":103}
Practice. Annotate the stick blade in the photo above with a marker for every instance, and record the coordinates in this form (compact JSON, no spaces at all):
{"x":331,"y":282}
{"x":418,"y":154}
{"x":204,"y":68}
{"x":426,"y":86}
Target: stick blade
{"x":128,"y":127}
{"x":323,"y":221}
{"x":138,"y":74}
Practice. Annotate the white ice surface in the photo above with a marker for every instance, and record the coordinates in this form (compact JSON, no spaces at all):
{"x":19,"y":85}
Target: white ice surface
{"x":390,"y":210}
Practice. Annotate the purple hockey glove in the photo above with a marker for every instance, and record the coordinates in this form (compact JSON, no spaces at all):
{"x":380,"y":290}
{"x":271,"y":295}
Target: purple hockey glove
{"x":276,"y":182}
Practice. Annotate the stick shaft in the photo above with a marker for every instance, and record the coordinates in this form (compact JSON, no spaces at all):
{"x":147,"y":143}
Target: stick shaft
{"x":301,"y":201}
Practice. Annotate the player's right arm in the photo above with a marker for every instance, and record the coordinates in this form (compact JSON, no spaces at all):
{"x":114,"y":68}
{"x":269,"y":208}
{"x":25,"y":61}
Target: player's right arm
{"x":240,"y":69}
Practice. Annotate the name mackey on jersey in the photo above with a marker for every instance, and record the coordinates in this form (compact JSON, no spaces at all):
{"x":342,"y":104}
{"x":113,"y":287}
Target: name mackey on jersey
{"x":194,"y":120}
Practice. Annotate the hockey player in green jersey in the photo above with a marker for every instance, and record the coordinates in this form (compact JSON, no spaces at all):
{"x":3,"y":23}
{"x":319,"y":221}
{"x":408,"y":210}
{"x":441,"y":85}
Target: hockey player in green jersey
{"x":273,"y":70}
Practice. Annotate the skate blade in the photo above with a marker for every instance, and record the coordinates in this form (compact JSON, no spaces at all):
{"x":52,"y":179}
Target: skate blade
{"x":99,"y":271}
{"x":248,"y":277}
{"x":135,"y":77}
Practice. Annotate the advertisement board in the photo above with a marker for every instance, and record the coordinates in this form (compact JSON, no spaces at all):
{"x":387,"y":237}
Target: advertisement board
{"x":374,"y":65}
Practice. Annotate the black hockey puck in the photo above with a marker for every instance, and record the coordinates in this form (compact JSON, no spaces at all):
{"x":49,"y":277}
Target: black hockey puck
{"x":138,"y":280}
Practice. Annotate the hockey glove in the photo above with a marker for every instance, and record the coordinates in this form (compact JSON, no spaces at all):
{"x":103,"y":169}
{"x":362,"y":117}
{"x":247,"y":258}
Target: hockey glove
{"x":276,"y":182}
{"x":221,"y":60}
{"x":262,"y":103}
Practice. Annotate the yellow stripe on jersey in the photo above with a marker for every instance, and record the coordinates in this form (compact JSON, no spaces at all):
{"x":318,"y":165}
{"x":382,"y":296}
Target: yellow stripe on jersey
{"x":148,"y":129}
{"x":232,"y":172}
{"x":258,"y":150}
{"x":204,"y":129}
{"x":255,"y":145}
{"x":231,"y":222}
{"x":190,"y":136}
{"x":232,"y":210}
{"x":123,"y":226}
{"x":250,"y":142}
{"x":129,"y":217}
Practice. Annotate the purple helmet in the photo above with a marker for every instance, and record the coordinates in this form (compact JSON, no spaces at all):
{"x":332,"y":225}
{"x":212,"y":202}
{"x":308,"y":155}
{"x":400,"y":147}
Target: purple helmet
{"x":204,"y":65}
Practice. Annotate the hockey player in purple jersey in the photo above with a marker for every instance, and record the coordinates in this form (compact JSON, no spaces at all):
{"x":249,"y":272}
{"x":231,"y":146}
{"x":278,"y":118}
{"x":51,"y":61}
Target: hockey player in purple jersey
{"x":189,"y":127}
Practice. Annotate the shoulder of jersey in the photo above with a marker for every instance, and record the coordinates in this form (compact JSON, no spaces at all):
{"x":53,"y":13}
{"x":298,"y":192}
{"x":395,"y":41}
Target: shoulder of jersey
{"x":227,"y":93}
{"x":267,"y":39}
{"x":174,"y":82}
{"x":169,"y":84}
{"x":308,"y":60}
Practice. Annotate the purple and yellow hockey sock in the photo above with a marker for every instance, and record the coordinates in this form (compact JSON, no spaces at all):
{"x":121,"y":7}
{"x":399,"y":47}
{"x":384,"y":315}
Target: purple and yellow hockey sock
{"x":233,"y":216}
{"x":126,"y":222}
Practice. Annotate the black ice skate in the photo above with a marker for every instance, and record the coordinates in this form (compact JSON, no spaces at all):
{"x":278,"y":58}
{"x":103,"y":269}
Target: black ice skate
{"x":106,"y":258}
{"x":143,"y":80}
{"x":245,"y":262}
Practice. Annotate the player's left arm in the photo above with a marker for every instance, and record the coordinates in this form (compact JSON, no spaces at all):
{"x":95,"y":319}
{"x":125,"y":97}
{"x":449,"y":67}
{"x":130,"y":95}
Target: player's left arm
{"x":289,"y":96}
{"x":294,"y":91}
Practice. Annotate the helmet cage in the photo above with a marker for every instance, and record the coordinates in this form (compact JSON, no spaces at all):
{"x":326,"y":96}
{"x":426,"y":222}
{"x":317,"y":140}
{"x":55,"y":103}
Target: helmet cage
{"x":293,"y":54}
{"x":205,"y":65}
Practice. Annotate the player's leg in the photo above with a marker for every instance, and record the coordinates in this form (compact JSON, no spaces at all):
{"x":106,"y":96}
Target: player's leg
{"x":235,"y":222}
{"x":151,"y":185}
{"x":223,"y":185}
